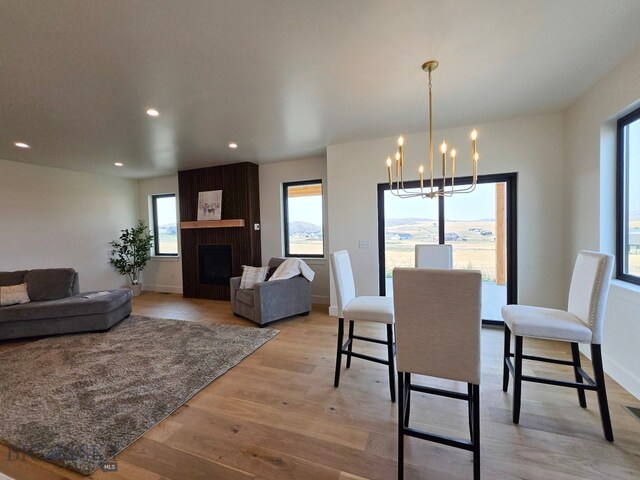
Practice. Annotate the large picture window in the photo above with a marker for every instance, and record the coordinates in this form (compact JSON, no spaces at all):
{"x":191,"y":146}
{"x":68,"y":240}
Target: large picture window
{"x":628,"y":198}
{"x":165,"y":228}
{"x":303,"y":232}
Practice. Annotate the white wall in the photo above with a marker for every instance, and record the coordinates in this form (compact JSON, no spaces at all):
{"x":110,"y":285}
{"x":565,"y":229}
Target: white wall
{"x":272,"y":176}
{"x":590,"y":165}
{"x":51,"y":217}
{"x":531,"y":146}
{"x":162,"y":274}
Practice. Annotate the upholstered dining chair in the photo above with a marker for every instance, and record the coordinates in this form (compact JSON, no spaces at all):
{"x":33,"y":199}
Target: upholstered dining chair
{"x":582,"y":322}
{"x":438,"y":321}
{"x":433,"y":255}
{"x":360,"y":308}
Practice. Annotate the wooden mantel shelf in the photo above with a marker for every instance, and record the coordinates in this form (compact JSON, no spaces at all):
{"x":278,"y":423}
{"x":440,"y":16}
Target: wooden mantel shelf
{"x":232,"y":222}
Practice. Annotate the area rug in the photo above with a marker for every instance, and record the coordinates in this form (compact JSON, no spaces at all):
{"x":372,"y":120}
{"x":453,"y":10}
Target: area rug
{"x":78,"y":400}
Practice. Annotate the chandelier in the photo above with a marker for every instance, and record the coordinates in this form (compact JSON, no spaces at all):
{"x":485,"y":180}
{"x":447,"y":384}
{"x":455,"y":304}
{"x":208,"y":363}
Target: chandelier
{"x":446,"y":186}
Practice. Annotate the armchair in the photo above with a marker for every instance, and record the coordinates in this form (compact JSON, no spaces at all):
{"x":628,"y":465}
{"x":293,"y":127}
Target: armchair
{"x":271,"y":301}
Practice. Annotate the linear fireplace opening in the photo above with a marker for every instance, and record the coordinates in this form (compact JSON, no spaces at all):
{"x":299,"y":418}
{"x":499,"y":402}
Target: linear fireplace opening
{"x":214,"y":264}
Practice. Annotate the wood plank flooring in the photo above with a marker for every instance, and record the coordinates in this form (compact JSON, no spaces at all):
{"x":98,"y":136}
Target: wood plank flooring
{"x":277,"y":416}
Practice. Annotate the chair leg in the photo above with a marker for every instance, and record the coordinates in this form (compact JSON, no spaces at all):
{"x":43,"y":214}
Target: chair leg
{"x":350,"y":347}
{"x":336,"y":382}
{"x":401,"y":425}
{"x":596,"y":359}
{"x":392,"y":363}
{"x":575,"y":352}
{"x":476,"y":432}
{"x":507,"y":352}
{"x":407,"y":408}
{"x":517,"y":381}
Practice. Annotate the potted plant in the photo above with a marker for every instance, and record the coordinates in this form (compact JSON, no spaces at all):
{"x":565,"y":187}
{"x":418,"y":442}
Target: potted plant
{"x":131,"y":252}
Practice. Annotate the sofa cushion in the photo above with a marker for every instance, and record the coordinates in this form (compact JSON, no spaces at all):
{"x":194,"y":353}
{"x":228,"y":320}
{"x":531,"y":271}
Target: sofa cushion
{"x":273,"y":265}
{"x":50,"y":283}
{"x":252,"y":275}
{"x":12,"y":278}
{"x":66,"y":307}
{"x":245,"y":296}
{"x":13,"y":295}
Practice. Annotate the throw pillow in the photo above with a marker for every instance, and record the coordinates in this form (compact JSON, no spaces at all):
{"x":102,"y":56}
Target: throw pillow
{"x":50,"y":283}
{"x":252,"y":275}
{"x":13,"y":295}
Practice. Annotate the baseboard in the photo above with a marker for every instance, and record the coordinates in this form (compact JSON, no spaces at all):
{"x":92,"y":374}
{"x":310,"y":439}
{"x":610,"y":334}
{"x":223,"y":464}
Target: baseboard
{"x":333,"y":311}
{"x":624,"y":377}
{"x":162,"y":288}
{"x":319,"y":300}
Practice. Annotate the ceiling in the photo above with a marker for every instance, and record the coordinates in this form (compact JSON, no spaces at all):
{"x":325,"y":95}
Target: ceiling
{"x":283,"y":79}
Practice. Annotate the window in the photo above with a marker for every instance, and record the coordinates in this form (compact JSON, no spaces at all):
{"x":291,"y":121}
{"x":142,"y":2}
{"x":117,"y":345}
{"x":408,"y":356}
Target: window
{"x":303,"y":232}
{"x":165,"y":228}
{"x":628,"y":198}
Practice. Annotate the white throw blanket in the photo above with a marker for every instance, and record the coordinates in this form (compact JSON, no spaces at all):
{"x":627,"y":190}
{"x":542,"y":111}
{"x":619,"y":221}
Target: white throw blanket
{"x":292,"y":267}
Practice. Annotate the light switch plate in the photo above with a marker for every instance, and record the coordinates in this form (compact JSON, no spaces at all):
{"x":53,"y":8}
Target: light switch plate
{"x":364,"y":244}
{"x":256,"y":226}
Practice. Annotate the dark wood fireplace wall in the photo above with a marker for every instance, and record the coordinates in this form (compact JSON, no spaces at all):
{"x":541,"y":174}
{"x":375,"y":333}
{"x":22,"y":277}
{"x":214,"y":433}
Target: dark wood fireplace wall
{"x":240,"y":200}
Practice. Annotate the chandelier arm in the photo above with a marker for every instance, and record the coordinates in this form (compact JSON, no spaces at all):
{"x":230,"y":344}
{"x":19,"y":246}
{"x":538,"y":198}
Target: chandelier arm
{"x":434,"y":191}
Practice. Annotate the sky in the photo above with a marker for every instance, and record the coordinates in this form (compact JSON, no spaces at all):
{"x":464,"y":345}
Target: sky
{"x":166,"y":210}
{"x":479,"y":204}
{"x":634,"y":167}
{"x":306,"y":209}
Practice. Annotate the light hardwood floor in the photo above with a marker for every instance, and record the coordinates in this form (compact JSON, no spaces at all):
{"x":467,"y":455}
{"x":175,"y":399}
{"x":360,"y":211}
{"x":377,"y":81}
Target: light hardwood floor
{"x":277,"y":416}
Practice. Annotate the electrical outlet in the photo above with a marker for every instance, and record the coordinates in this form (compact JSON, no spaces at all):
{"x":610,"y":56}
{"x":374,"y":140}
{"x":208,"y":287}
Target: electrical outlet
{"x":256,"y":226}
{"x":363,"y":244}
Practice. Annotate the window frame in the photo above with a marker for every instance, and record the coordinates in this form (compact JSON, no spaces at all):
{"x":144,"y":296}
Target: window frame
{"x":622,"y":197}
{"x":154,"y":210}
{"x":285,"y":216}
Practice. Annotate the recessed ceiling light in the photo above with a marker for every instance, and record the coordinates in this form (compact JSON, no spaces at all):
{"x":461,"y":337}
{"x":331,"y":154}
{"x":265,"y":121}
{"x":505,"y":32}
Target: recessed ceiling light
{"x":152,"y":112}
{"x":22,"y":145}
{"x":233,"y":145}
{"x":119,"y":164}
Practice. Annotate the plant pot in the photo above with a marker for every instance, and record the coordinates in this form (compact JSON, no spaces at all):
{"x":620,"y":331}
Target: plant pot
{"x":136,"y":289}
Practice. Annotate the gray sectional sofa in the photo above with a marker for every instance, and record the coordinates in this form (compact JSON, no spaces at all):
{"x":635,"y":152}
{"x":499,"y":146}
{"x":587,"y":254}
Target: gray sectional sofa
{"x":57,"y":307}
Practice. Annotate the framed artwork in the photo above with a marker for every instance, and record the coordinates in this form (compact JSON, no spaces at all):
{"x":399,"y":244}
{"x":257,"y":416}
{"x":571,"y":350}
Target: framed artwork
{"x":210,"y":205}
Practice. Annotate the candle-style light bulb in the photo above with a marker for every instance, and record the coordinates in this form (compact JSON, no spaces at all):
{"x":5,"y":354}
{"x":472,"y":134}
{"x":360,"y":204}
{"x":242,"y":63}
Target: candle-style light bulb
{"x":389,"y":162}
{"x":397,"y":155}
{"x":389,"y":170}
{"x":476,"y":157}
{"x":400,"y":141}
{"x":474,"y":136}
{"x":453,"y":162}
{"x":443,"y":147}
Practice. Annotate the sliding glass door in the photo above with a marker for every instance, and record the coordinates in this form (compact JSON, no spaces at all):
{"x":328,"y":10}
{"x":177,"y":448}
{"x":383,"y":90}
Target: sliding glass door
{"x":480,"y":226}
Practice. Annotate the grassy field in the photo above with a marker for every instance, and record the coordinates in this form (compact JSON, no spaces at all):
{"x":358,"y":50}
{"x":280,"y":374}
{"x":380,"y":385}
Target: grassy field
{"x":634,"y":254}
{"x":168,"y":243}
{"x":302,"y":246}
{"x":471,"y":250}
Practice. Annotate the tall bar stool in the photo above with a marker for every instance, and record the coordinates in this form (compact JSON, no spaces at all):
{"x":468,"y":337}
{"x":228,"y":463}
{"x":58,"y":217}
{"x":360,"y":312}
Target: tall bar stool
{"x":438,"y":334}
{"x":581,"y":323}
{"x":360,"y":308}
{"x":433,"y":255}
